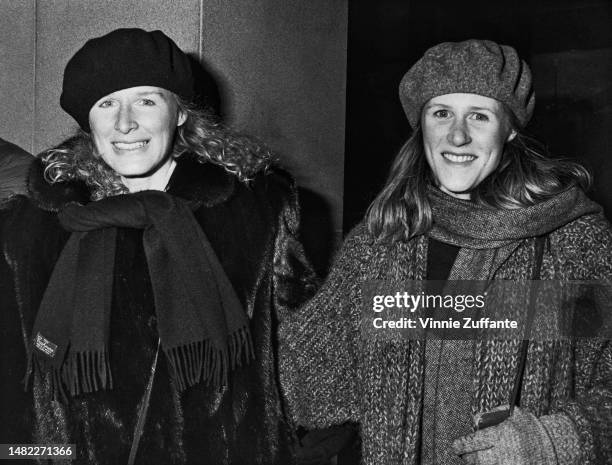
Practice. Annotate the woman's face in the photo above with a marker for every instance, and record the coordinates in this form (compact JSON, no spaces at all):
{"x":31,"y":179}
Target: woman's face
{"x":133,"y":130}
{"x":464,"y":137}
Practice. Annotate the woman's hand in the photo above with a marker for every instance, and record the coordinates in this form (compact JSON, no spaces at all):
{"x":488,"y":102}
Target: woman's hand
{"x":522,"y":439}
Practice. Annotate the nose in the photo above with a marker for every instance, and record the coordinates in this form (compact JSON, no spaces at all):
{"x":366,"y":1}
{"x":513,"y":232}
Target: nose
{"x":125,"y":121}
{"x":459,"y":133}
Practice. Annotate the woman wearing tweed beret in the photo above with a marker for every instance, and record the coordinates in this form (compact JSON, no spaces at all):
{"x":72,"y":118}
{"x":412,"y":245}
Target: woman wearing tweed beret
{"x":467,"y":198}
{"x":142,"y":276}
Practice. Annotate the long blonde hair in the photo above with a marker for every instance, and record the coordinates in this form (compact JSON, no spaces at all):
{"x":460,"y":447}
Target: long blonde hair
{"x":524,"y":177}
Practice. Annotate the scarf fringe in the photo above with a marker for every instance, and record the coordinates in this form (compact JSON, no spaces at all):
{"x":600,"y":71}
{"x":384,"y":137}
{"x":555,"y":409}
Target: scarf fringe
{"x":87,"y":372}
{"x":202,"y":361}
{"x":82,"y":372}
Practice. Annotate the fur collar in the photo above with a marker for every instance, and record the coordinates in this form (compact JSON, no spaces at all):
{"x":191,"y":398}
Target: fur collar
{"x":204,"y":182}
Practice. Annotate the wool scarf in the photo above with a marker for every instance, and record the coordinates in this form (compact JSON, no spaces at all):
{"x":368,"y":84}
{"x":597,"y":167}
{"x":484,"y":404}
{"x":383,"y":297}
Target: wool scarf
{"x":201,"y":323}
{"x":488,"y":236}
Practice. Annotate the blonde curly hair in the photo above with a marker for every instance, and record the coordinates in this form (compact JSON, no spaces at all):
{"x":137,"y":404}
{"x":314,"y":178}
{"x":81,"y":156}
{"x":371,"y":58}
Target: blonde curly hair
{"x":202,"y":137}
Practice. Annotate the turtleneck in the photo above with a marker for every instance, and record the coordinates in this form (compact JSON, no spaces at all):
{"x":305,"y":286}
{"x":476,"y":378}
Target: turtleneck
{"x":440,"y":259}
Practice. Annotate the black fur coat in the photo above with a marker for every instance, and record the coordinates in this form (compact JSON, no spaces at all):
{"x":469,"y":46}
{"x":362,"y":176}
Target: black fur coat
{"x":253,"y":230}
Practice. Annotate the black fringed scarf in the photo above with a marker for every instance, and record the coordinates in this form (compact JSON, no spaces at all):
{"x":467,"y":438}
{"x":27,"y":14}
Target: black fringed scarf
{"x":203,"y":328}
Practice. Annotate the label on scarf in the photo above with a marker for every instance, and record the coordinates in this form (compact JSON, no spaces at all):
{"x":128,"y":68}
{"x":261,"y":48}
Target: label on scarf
{"x":45,"y":345}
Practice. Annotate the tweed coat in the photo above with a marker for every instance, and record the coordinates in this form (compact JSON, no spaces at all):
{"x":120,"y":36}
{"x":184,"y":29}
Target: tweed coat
{"x":332,"y":375}
{"x":253,"y":230}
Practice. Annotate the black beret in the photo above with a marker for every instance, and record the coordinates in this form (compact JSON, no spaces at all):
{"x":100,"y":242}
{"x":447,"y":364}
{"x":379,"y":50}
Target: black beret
{"x":122,"y":59}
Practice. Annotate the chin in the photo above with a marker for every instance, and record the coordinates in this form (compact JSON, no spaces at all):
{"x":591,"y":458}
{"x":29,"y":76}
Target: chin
{"x":132,"y":170}
{"x":456,"y":190}
{"x":134,"y":174}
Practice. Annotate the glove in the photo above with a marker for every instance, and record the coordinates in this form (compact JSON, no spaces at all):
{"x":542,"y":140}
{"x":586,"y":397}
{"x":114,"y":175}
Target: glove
{"x":522,"y":439}
{"x":320,"y":445}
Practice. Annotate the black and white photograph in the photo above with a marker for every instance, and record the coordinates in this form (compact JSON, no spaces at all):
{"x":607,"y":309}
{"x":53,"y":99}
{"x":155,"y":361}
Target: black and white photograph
{"x":291,"y":232}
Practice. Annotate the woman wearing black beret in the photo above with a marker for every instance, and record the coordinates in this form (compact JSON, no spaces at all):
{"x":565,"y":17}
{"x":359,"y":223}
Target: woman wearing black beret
{"x":144,"y":274}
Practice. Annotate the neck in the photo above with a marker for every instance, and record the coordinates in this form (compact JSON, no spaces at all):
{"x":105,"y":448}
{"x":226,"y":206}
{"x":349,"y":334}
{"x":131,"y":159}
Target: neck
{"x":158,"y":181}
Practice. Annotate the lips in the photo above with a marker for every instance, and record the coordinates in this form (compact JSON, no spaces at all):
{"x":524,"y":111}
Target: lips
{"x":458,"y":157}
{"x":130,"y":145}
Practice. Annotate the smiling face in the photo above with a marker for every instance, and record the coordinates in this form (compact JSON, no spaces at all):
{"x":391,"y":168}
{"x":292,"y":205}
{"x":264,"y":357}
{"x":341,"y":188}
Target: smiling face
{"x":133,"y":131}
{"x":464,"y":137}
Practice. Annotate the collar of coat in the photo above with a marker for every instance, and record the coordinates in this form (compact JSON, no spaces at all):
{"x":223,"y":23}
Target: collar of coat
{"x":205,"y":182}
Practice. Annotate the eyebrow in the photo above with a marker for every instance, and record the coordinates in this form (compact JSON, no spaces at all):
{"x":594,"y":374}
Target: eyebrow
{"x":471,"y":108}
{"x":141,"y":94}
{"x":430,"y":105}
{"x":482,"y":109}
{"x":150,"y":92}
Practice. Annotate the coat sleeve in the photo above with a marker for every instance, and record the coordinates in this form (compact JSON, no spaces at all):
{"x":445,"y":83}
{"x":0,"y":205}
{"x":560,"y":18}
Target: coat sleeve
{"x":294,"y":279}
{"x":591,"y":407}
{"x":15,"y":402}
{"x":295,"y":282}
{"x":318,"y":345}
{"x":31,"y":241}
{"x":14,"y":167}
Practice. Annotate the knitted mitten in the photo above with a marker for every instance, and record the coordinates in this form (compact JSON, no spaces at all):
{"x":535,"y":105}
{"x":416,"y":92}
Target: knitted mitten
{"x":522,"y":439}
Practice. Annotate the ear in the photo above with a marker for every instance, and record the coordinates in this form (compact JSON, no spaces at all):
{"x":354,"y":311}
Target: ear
{"x":182,"y":117}
{"x":512,"y":135}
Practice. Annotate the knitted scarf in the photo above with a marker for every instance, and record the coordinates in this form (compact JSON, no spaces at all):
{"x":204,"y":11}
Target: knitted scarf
{"x":331,"y":375}
{"x":488,"y":236}
{"x":202,"y":326}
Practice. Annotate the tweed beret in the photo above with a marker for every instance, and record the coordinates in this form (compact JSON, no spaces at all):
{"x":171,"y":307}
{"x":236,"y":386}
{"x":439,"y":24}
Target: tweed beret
{"x":474,"y":66}
{"x":122,"y":59}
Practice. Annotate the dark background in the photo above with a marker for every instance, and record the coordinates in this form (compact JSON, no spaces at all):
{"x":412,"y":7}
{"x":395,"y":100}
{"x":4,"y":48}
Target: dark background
{"x":568,"y":45}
